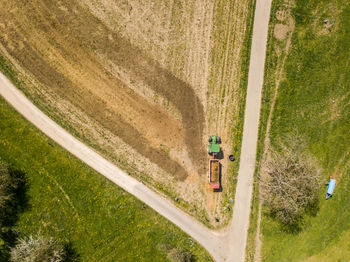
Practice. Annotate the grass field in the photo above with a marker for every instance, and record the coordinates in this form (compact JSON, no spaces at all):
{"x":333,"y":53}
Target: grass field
{"x":71,"y":202}
{"x":277,"y":51}
{"x":142,"y":82}
{"x":313,"y":99}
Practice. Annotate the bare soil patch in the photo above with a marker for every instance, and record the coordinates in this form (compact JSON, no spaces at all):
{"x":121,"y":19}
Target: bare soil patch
{"x":280,"y":31}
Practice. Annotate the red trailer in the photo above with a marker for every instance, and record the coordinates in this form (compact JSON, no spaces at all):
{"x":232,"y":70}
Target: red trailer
{"x":214,"y":173}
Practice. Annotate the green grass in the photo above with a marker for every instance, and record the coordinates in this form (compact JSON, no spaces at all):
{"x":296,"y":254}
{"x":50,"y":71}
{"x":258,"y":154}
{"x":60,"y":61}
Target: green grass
{"x":71,"y":202}
{"x":314,"y":100}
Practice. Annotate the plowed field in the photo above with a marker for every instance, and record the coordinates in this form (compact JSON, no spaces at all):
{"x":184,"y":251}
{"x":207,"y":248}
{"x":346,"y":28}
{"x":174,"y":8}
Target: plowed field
{"x":142,"y":82}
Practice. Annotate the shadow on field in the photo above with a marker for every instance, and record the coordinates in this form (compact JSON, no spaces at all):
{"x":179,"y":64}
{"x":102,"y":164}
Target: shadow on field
{"x":71,"y":255}
{"x":14,"y":206}
{"x":299,"y":225}
{"x":10,"y":209}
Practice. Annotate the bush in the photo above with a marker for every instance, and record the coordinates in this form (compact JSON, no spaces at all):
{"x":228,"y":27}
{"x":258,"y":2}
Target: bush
{"x":32,"y":249}
{"x":290,"y":181}
{"x":176,"y":255}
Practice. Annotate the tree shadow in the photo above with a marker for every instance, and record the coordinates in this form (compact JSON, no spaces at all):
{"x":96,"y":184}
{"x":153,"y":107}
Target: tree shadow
{"x":14,"y":207}
{"x":71,"y":255}
{"x":313,"y":208}
{"x":19,"y":201}
{"x":299,"y":224}
{"x":294,"y":228}
{"x":289,"y":228}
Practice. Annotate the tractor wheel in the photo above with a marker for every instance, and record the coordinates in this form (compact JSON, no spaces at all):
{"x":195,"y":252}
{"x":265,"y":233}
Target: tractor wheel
{"x":209,"y":152}
{"x":218,"y":140}
{"x":210,"y":139}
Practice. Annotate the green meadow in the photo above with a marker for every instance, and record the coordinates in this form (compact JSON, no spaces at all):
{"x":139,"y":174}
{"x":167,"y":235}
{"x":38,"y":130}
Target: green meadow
{"x":314,"y":101}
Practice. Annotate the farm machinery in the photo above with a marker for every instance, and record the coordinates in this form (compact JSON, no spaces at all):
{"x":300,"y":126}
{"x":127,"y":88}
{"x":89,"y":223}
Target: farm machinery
{"x":214,"y":164}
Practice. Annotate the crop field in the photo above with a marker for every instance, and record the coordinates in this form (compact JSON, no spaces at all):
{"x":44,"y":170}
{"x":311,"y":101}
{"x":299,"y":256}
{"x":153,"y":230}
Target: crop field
{"x":69,"y":201}
{"x":142,"y":82}
{"x":307,"y":86}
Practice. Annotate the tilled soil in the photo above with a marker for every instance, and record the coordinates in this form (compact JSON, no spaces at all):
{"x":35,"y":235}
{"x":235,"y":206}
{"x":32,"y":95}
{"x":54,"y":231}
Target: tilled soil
{"x":153,"y":78}
{"x":73,"y":35}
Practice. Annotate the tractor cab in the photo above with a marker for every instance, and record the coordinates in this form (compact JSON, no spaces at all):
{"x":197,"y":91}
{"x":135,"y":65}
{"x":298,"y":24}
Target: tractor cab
{"x":214,"y":145}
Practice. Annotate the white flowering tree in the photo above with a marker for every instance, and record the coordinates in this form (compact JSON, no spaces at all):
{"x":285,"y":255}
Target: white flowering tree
{"x":32,"y":249}
{"x":290,"y":181}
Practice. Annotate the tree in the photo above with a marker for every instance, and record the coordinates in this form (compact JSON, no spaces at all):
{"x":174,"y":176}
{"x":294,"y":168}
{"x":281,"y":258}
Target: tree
{"x":290,"y":181}
{"x":32,"y":249}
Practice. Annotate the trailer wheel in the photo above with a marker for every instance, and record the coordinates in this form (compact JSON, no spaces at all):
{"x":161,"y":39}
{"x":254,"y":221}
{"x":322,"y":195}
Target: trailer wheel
{"x":210,"y":139}
{"x":218,"y":140}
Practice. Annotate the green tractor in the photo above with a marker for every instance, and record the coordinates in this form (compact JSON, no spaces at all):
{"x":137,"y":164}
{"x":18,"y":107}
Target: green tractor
{"x":214,"y":145}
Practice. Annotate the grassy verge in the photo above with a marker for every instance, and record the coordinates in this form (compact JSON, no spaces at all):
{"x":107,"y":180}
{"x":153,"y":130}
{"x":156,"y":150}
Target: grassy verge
{"x":72,"y":202}
{"x":268,"y":91}
{"x":228,"y":84}
{"x":313,"y":100}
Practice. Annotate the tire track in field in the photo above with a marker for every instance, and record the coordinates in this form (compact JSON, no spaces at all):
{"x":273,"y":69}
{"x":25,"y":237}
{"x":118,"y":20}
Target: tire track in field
{"x":85,"y":32}
{"x":147,"y":70}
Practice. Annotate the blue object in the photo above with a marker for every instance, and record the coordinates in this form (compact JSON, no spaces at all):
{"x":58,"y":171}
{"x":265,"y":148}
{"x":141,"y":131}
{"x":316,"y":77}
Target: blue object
{"x":330,"y":189}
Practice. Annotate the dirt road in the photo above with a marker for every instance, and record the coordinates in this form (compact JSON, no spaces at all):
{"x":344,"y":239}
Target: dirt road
{"x":229,"y":246}
{"x":241,"y":212}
